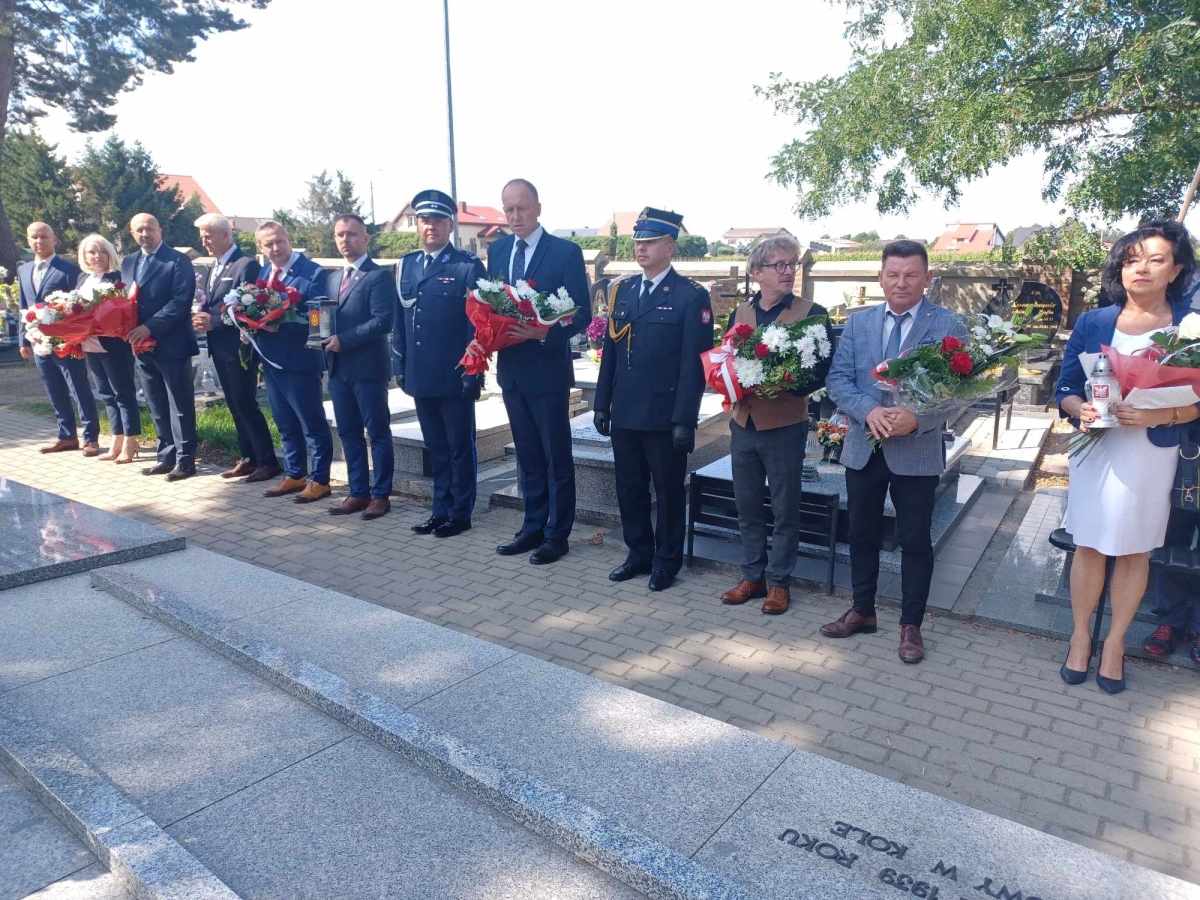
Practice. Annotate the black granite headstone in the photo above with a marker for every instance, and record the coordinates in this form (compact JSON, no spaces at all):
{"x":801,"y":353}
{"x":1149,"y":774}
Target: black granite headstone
{"x":1035,"y":299}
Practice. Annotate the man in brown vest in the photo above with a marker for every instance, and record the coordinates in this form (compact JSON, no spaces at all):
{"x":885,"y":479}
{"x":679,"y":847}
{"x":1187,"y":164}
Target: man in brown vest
{"x":769,"y":438}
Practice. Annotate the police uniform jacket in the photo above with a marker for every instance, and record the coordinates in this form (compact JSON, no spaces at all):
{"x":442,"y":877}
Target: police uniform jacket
{"x":651,"y":378}
{"x":287,"y":347}
{"x":432,"y":330}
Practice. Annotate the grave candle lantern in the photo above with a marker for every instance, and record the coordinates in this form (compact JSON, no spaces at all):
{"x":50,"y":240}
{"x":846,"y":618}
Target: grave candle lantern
{"x":322,"y":321}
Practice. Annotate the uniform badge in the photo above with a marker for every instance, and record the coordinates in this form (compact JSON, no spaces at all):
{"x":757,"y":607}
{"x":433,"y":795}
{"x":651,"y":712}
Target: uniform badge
{"x":706,"y":316}
{"x":663,"y":308}
{"x":445,"y":279}
{"x":445,"y":257}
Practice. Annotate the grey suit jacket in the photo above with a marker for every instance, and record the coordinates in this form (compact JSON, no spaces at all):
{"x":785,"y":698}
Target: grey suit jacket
{"x":856,"y":392}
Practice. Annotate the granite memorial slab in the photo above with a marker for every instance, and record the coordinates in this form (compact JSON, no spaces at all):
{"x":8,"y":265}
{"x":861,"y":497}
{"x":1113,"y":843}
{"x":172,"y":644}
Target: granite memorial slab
{"x":48,"y":536}
{"x":36,"y":849}
{"x":92,"y":883}
{"x":359,"y":821}
{"x":819,"y":828}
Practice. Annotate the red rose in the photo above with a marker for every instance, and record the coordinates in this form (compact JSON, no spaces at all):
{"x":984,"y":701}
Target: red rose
{"x":788,"y":379}
{"x":261,"y":283}
{"x":743,"y":330}
{"x":960,"y":363}
{"x":31,"y":316}
{"x":951,"y":344}
{"x":277,"y":285}
{"x":531,"y":283}
{"x":262,"y":297}
{"x":119,"y":285}
{"x":762,"y":351}
{"x":76,"y":309}
{"x":525,"y":308}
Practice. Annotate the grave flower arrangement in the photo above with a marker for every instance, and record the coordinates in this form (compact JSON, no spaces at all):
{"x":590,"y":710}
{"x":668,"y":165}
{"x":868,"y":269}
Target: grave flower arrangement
{"x":766,"y":361}
{"x":73,"y":317}
{"x":1163,"y":375}
{"x":262,"y":305}
{"x":493,"y":306}
{"x":54,"y":309}
{"x":831,"y":433}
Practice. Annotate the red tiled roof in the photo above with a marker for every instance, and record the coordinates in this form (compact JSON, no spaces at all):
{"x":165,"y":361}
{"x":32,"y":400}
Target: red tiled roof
{"x":479,"y":215}
{"x":968,"y":237}
{"x":188,"y":186}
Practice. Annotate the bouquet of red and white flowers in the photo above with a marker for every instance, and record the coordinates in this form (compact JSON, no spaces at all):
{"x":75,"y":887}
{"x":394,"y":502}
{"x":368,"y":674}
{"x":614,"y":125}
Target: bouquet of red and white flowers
{"x":766,"y":361}
{"x":262,"y":305}
{"x":493,"y":306}
{"x":54,"y":309}
{"x":72,"y":317}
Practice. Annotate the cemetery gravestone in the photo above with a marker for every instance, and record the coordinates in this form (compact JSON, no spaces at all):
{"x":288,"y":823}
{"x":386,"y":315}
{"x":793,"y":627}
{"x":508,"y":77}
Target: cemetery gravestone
{"x":1036,"y":300}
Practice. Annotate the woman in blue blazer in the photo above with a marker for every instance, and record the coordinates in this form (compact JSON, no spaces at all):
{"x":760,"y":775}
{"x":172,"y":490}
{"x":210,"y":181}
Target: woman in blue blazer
{"x":1118,"y":498}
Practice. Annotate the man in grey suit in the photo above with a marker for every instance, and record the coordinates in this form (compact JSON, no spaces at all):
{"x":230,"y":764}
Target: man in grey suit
{"x":912,"y":456}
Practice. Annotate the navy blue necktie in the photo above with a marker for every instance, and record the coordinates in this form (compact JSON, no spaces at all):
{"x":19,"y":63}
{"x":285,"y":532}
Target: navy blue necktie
{"x":428,"y":261}
{"x":893,"y":344}
{"x":518,"y":266}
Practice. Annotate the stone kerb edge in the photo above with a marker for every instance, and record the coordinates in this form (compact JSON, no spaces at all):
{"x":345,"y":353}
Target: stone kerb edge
{"x":148,"y":862}
{"x":639,"y":861}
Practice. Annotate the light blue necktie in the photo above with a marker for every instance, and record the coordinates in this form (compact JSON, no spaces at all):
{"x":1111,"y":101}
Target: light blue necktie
{"x":893,"y":344}
{"x":141,"y":267}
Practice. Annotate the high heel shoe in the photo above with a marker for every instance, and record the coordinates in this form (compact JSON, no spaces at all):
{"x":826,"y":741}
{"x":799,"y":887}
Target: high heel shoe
{"x":1111,"y":685}
{"x":1070,"y":676}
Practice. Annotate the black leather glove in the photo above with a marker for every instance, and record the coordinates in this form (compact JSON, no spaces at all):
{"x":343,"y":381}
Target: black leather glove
{"x":400,"y":382}
{"x":603,"y":422}
{"x":683,"y":438}
{"x":472,"y":390}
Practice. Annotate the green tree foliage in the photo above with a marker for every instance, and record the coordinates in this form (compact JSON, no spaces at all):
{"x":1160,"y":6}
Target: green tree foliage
{"x":312,"y":227}
{"x":1109,"y":90}
{"x":36,"y":186}
{"x":116,"y":182}
{"x":720,"y":248}
{"x":79,"y":55}
{"x":691,"y":246}
{"x":246,"y":242}
{"x":1070,"y":244}
{"x":394,"y":244}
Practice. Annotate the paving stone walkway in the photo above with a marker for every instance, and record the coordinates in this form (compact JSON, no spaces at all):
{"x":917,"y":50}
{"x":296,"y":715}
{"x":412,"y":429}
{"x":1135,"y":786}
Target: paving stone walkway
{"x":984,"y":720}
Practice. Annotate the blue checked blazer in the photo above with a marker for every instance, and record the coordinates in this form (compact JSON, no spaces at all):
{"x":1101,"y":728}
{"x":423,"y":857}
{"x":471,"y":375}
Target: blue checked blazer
{"x":856,"y":392}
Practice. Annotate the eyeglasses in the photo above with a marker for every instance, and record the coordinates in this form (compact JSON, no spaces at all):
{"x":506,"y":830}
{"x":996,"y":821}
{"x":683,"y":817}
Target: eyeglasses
{"x":783,"y":267}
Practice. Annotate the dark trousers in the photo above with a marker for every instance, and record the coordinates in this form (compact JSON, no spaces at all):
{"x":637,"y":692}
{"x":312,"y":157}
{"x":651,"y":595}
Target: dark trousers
{"x":67,"y":386}
{"x":641,"y":457}
{"x":1177,"y":603}
{"x":913,"y":498}
{"x":358,"y":407}
{"x":240,"y":387}
{"x":448,"y":427}
{"x":774,"y":457}
{"x":168,"y":386}
{"x":541,"y":430}
{"x":295,"y":400}
{"x":117,"y":388}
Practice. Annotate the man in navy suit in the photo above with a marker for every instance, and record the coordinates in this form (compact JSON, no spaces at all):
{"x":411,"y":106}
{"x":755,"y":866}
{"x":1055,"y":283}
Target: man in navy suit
{"x":536,"y":375}
{"x":427,"y":344}
{"x":232,"y":268}
{"x":360,"y":366}
{"x":293,"y":374}
{"x":65,"y":379}
{"x":166,"y":283}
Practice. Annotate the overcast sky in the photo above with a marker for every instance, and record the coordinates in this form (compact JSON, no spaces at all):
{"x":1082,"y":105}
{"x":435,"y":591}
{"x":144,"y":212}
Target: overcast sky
{"x":614,"y":105}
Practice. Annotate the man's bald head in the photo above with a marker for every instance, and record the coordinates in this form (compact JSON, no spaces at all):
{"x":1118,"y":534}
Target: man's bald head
{"x":41,"y":239}
{"x":146,"y":231}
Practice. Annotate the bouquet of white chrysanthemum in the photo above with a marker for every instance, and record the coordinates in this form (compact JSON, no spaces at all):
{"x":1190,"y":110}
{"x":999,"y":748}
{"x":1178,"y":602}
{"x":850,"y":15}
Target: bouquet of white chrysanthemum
{"x":767,"y":361}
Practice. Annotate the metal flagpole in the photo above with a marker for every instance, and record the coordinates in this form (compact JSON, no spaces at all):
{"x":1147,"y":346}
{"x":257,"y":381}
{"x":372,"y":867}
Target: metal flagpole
{"x":450,"y":115}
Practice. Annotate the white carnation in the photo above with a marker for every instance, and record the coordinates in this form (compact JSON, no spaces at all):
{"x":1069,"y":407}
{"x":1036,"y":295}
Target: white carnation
{"x":1189,"y":328}
{"x":979,"y":332}
{"x":775,"y":337}
{"x":749,"y":372}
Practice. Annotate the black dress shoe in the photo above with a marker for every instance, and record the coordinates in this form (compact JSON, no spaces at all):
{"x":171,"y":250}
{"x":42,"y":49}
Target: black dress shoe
{"x":550,"y":551}
{"x":522,"y":542}
{"x":428,"y":526}
{"x":451,"y":527}
{"x":178,"y":474}
{"x":159,"y":469}
{"x":660,"y":580}
{"x":627,"y":570}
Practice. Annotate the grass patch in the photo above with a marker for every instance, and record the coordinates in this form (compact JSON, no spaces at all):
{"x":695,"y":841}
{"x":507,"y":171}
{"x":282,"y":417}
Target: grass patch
{"x":215,"y":434}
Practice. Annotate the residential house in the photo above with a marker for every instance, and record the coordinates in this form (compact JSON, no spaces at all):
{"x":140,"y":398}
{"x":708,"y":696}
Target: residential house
{"x":969,"y":237}
{"x":834,"y":245}
{"x":1024,"y":233}
{"x":247,"y":223}
{"x":625,"y":225}
{"x":478,"y":226}
{"x":188,"y":187}
{"x":568,"y":233}
{"x":742,"y":239}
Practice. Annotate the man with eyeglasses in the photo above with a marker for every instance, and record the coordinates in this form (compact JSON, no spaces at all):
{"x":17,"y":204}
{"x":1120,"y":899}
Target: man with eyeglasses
{"x":768,"y":438}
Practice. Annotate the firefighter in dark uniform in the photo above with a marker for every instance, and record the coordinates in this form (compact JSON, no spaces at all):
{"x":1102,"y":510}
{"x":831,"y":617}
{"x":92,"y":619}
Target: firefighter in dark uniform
{"x":430,"y":335}
{"x":648,"y":396}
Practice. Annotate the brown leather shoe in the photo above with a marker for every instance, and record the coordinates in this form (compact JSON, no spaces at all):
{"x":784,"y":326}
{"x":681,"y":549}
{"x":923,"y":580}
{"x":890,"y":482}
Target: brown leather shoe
{"x":243,"y":467}
{"x":745,"y":590}
{"x":350,"y":505}
{"x":851,"y":622}
{"x":378,"y":506}
{"x":60,"y":445}
{"x":314,"y":490}
{"x":262,"y":473}
{"x":912,"y":648}
{"x":91,"y":448}
{"x":287,"y":486}
{"x":777,"y":601}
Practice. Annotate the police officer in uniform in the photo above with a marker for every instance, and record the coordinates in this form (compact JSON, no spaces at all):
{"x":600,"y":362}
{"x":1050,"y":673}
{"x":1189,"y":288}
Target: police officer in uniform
{"x":648,"y":396}
{"x":432,"y":331}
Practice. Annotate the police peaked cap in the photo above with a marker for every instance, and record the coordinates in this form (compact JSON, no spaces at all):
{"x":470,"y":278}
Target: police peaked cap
{"x":655,"y":223}
{"x":434,"y":203}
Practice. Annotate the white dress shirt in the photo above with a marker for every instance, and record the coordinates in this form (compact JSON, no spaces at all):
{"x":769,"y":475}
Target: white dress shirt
{"x":219,"y":267}
{"x":287,"y":268}
{"x":532,"y":241}
{"x":905,"y":326}
{"x":653,"y":282}
{"x":92,"y":282}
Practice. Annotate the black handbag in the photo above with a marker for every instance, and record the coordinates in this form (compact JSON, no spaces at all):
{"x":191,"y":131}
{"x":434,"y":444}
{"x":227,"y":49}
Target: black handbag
{"x":1186,"y":493}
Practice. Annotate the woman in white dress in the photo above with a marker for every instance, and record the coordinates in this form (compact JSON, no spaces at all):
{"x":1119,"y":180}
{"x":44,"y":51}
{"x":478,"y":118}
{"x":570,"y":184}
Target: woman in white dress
{"x":110,"y":359}
{"x":1119,"y":495}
